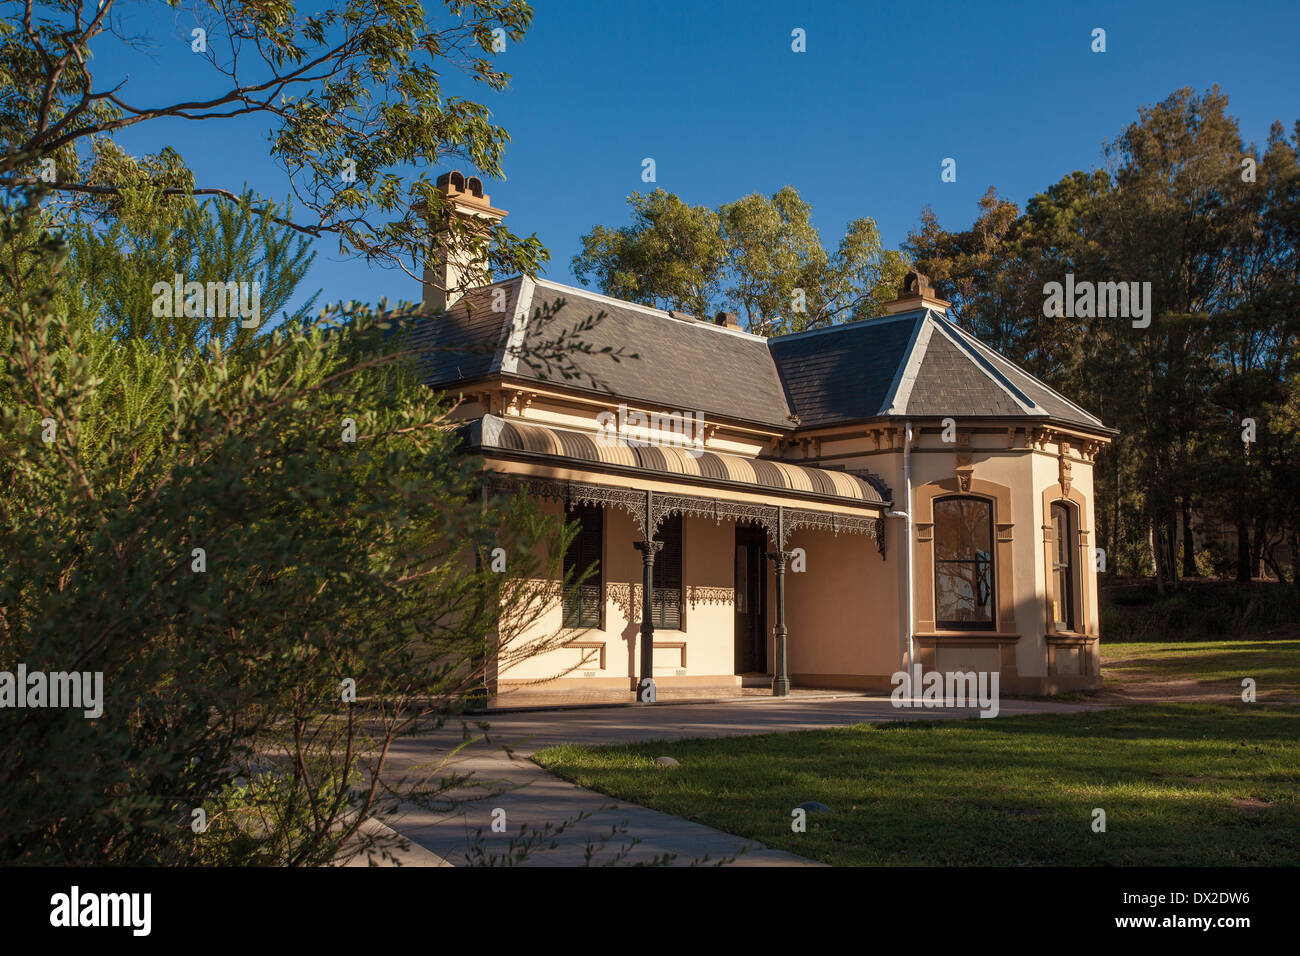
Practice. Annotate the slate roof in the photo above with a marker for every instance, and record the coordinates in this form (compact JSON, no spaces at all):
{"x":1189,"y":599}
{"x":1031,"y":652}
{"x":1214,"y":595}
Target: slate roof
{"x":844,"y":373}
{"x":916,"y":364}
{"x":682,"y":363}
{"x":933,"y":369}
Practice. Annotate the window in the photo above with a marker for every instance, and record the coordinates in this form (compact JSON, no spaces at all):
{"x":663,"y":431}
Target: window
{"x":666,"y":599}
{"x":963,"y":564}
{"x":1062,"y":569}
{"x":582,"y":602}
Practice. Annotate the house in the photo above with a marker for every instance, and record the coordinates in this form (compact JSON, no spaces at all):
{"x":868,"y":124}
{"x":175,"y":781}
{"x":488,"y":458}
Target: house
{"x":825,"y":509}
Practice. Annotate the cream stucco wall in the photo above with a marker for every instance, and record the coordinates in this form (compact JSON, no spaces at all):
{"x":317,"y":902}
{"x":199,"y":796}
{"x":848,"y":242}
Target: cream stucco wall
{"x":844,"y":613}
{"x":708,"y":577}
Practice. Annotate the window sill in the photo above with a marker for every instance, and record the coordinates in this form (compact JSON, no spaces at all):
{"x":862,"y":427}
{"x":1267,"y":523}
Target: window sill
{"x":970,"y":635}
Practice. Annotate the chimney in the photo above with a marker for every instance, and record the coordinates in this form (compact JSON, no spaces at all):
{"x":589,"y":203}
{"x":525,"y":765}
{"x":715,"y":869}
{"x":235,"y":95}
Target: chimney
{"x":916,"y":293}
{"x":453,"y":266}
{"x":728,"y":320}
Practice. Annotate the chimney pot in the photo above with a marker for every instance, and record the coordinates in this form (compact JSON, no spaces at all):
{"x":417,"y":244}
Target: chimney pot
{"x":450,"y":272}
{"x":916,"y":293}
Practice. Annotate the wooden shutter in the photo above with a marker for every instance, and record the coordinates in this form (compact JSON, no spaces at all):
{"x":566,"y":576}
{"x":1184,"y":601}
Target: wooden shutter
{"x":667,"y":597}
{"x":582,"y":603}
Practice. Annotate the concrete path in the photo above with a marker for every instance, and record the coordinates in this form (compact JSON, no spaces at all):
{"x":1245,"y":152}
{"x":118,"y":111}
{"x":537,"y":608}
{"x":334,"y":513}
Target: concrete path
{"x":534,"y":798}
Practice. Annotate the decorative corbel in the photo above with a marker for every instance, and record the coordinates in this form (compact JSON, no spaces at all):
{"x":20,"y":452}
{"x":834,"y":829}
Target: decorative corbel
{"x":963,"y":466}
{"x":519,"y":403}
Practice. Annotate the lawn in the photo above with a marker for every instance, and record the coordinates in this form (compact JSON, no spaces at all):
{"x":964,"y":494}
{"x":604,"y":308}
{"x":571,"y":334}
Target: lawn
{"x":1181,"y":784}
{"x":1275,"y":665}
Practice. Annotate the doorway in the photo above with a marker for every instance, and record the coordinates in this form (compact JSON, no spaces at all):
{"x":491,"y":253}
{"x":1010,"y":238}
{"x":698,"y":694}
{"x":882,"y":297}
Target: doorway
{"x":751,"y":600}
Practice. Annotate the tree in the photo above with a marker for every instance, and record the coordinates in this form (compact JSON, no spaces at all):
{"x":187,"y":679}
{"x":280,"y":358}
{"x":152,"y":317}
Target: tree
{"x":670,"y":257}
{"x":265,"y":544}
{"x":759,"y":256}
{"x":1176,"y":208}
{"x":352,"y":94}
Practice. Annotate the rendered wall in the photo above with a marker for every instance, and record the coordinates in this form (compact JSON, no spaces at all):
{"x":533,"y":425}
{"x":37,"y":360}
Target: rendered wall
{"x":842,"y":612}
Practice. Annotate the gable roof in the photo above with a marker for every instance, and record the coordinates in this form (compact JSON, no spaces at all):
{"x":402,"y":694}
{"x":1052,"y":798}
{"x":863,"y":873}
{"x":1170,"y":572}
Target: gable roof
{"x":915,"y":364}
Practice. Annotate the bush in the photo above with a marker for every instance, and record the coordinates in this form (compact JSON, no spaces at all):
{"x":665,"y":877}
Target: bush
{"x":1199,"y":610}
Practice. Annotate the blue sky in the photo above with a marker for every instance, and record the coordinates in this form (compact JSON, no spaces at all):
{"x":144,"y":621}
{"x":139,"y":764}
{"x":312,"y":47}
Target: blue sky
{"x":859,"y":123}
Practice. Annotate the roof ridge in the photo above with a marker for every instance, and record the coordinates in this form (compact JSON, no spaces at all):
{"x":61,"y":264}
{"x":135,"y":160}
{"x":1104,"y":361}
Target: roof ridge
{"x":911,"y":363}
{"x":514,"y":326}
{"x":1026,"y":403}
{"x":1033,"y":378}
{"x":842,"y":326}
{"x":649,"y":309}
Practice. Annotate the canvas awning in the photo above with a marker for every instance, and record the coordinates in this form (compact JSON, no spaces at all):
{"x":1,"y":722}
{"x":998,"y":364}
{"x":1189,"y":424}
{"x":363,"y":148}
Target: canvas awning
{"x":779,"y":495}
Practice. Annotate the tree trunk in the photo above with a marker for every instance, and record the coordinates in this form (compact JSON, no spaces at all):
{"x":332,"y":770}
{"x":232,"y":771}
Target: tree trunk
{"x":1293,"y":538}
{"x":1257,"y":553}
{"x":1157,"y":553}
{"x":1171,"y":539}
{"x":1243,"y":550}
{"x":1270,"y":558}
{"x":1189,"y":543}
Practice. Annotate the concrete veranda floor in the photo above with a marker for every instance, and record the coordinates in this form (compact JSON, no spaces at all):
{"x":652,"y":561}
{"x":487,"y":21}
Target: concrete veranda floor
{"x":534,"y":797}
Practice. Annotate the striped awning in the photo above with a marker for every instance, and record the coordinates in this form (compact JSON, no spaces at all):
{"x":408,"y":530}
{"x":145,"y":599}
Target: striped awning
{"x":572,"y":448}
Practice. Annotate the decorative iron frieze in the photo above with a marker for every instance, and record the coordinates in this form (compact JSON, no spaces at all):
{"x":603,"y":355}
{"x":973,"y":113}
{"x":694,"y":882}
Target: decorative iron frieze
{"x":800,"y":518}
{"x":694,"y":506}
{"x":602,"y":496}
{"x":768,"y":517}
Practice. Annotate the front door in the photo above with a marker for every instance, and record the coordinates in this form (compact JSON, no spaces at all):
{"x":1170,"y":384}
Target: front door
{"x":751,"y":600}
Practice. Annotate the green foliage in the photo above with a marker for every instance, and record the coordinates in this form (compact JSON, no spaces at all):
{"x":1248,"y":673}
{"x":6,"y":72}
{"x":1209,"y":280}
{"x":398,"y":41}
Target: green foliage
{"x":324,"y":560}
{"x":670,"y":257}
{"x":759,"y":256}
{"x":355,"y":92}
{"x":1199,"y":611}
{"x":1174,"y":208}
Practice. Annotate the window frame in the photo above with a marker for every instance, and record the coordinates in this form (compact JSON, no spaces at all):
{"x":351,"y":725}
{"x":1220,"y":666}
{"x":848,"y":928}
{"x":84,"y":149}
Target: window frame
{"x":1063,"y":543}
{"x":990,"y":563}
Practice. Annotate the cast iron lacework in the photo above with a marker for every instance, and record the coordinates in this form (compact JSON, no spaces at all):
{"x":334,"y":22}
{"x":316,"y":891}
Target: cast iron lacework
{"x":575,"y":493}
{"x":799,"y":518}
{"x":665,"y":505}
{"x":698,"y":594}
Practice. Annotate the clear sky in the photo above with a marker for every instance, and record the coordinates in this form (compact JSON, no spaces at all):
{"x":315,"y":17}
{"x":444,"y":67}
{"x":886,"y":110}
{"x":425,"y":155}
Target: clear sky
{"x":860,"y":123}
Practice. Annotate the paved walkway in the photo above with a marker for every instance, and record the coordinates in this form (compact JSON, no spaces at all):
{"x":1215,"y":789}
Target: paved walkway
{"x":535,"y":798}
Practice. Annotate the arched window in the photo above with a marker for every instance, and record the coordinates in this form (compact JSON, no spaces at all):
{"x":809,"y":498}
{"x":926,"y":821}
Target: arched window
{"x":964,"y":595}
{"x":1062,"y":568}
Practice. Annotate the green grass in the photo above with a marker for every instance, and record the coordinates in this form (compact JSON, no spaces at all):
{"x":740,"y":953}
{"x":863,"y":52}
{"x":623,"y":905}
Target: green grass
{"x":1275,"y":665}
{"x":1181,"y":784}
